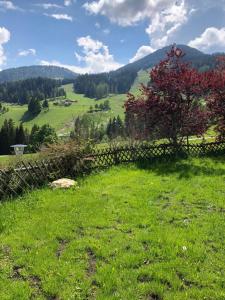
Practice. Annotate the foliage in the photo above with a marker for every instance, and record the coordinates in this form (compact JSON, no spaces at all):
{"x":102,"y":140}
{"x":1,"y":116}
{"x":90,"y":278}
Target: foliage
{"x":216,"y":96}
{"x":132,"y":232}
{"x":11,"y":135}
{"x":72,"y":148}
{"x":34,"y":107}
{"x":86,"y":128}
{"x":170,"y":107}
{"x":73,"y":151}
{"x":115,"y":128}
{"x":23,"y":91}
{"x":44,"y":135}
{"x":105,"y":106}
{"x":101,"y":85}
{"x":45,"y":104}
{"x":3,"y":109}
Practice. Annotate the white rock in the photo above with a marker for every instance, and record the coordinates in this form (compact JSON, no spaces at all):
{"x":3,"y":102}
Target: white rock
{"x":63,"y":183}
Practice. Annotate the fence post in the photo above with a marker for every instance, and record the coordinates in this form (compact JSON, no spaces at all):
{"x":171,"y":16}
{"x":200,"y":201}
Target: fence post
{"x":188,"y":146}
{"x":116,"y":158}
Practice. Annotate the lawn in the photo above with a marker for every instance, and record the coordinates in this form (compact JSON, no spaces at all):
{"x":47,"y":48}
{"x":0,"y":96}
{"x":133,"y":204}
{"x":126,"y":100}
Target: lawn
{"x":61,"y":118}
{"x":11,"y":160}
{"x":130,"y":232}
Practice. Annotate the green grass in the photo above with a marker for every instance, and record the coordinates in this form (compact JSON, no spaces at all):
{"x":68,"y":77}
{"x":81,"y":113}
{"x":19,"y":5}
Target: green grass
{"x":61,"y":118}
{"x":132,"y":232}
{"x":11,"y":160}
{"x":143,"y":77}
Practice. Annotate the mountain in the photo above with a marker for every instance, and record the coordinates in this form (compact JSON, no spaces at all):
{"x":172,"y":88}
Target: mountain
{"x":22,"y":73}
{"x":121,"y":80}
{"x":197,"y":58}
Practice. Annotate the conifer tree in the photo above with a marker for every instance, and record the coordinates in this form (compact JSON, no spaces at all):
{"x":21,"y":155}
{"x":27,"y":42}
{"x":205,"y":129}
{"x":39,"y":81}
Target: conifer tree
{"x":45,"y":104}
{"x":34,"y":107}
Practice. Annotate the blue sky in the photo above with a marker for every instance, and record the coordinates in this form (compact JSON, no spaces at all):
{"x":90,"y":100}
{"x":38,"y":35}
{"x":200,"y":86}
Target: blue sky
{"x":102,"y":35}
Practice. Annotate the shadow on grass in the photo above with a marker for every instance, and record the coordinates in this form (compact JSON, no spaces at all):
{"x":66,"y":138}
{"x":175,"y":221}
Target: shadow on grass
{"x":186,"y":167}
{"x":27,"y":117}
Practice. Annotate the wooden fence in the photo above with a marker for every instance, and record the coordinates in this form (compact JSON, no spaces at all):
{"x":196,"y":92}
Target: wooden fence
{"x":33,"y":174}
{"x":117,"y":155}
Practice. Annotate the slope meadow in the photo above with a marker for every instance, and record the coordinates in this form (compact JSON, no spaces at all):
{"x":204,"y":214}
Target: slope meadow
{"x":131,"y":232}
{"x":60,"y":117}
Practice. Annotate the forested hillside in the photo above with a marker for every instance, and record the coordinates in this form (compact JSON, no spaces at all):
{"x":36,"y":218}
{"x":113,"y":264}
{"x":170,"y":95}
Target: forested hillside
{"x":121,"y":80}
{"x":101,"y":85}
{"x":21,"y":92}
{"x":22,"y":73}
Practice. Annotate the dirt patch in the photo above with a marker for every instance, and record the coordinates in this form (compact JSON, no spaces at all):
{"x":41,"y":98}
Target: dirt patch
{"x":17,"y":273}
{"x":91,"y":270}
{"x":186,"y":283}
{"x":35,"y":282}
{"x":154,"y":296}
{"x":144,"y":278}
{"x":62,"y":245}
{"x":145,"y":245}
{"x":79,"y":231}
{"x":36,"y":285}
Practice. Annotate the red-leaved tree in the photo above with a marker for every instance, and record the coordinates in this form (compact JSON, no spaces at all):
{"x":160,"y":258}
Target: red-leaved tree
{"x":171,"y":106}
{"x":216,"y":98}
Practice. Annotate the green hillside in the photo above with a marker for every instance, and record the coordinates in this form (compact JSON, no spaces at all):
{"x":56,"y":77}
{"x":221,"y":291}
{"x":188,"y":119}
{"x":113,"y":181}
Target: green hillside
{"x":22,"y":73}
{"x":60,"y":117}
{"x":143,"y":77}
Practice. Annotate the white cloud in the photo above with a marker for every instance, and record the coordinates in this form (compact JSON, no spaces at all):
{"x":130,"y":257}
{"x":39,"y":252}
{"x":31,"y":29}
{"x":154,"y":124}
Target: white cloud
{"x":48,"y":5}
{"x":164,"y":24}
{"x":128,"y":13}
{"x":165,"y":17}
{"x":60,"y":17}
{"x":211,"y":38}
{"x":74,"y":69}
{"x":122,"y":12}
{"x":89,"y":45}
{"x":27,"y":52}
{"x":97,"y":25}
{"x":142,"y":52}
{"x":4,"y":38}
{"x":4,"y":35}
{"x":106,"y":31}
{"x":8,"y":5}
{"x":95,"y":57}
{"x":68,"y":2}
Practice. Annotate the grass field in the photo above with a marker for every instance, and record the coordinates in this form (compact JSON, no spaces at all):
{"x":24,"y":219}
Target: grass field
{"x":61,"y":118}
{"x":132,"y":232}
{"x":143,"y":77}
{"x":11,"y":160}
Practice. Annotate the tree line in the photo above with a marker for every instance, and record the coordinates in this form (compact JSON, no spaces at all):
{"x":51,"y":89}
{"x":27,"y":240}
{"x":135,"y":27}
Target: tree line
{"x":3,"y":109}
{"x":101,"y":85}
{"x":23,"y":91}
{"x":87,"y":128}
{"x":11,"y":135}
{"x":105,"y":106}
